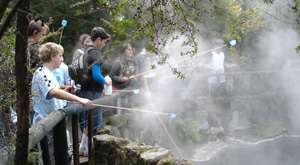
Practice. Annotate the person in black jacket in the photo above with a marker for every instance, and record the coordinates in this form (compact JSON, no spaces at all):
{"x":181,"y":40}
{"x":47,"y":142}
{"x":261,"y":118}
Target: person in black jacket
{"x":123,"y":73}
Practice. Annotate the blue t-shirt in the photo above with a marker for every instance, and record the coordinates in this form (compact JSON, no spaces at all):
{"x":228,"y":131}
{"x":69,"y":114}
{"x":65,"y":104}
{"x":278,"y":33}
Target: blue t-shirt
{"x":62,"y":77}
{"x":43,"y":104}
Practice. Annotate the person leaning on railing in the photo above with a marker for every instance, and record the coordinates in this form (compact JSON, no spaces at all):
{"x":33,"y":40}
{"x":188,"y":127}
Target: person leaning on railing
{"x":47,"y":95}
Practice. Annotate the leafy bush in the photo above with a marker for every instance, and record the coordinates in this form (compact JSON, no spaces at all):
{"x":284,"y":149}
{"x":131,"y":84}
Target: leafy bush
{"x":188,"y":130}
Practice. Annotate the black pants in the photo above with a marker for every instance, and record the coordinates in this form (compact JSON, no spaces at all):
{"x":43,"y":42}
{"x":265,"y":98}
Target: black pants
{"x":221,"y":114}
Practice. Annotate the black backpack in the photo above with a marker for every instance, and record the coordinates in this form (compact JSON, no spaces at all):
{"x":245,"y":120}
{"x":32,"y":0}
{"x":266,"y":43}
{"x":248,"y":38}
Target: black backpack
{"x":79,"y":69}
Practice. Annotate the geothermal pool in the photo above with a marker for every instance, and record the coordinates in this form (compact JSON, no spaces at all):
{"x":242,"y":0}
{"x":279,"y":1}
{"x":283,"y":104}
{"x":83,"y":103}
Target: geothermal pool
{"x":281,"y":150}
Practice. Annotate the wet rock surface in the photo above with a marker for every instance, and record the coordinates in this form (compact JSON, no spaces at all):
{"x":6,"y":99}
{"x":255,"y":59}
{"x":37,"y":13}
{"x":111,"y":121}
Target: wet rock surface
{"x":113,"y":150}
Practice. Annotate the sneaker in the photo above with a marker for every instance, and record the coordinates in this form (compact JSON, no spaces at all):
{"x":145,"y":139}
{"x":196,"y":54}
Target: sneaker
{"x":81,"y":151}
{"x":70,"y":156}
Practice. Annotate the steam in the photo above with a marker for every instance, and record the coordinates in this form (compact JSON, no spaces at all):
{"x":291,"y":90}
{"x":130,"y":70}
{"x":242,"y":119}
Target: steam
{"x":274,"y":51}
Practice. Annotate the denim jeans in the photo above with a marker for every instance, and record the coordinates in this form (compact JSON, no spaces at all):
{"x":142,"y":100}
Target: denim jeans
{"x":97,"y":114}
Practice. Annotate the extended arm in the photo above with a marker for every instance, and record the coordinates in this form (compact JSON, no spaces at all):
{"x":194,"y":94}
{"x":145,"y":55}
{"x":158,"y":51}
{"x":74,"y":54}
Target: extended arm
{"x":61,"y":94}
{"x":97,"y":76}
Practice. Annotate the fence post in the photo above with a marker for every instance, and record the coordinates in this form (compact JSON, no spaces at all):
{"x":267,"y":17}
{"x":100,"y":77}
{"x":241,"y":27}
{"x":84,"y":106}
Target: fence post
{"x":60,"y":143}
{"x":75,"y":139}
{"x":90,"y":132}
{"x":45,"y":153}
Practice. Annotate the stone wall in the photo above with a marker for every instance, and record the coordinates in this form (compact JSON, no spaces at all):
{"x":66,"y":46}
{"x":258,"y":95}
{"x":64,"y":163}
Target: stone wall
{"x":109,"y":150}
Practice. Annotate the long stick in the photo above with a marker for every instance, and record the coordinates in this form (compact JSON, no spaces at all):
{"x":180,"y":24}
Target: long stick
{"x":115,"y":90}
{"x":62,"y":30}
{"x":122,"y":90}
{"x":130,"y":109}
{"x":181,"y":60}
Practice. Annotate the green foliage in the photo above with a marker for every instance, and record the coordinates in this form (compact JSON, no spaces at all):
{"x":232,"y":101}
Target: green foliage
{"x":32,"y":157}
{"x":242,"y":19}
{"x":81,"y":17}
{"x":188,"y":130}
{"x":244,"y":22}
{"x":159,"y":22}
{"x":7,"y":89}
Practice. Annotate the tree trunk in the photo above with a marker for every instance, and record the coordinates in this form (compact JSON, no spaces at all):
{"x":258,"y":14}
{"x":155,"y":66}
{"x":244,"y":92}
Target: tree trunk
{"x":22,"y":85}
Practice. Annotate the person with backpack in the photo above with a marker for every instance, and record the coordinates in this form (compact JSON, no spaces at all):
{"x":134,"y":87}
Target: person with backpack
{"x":93,"y":86}
{"x":82,"y":42}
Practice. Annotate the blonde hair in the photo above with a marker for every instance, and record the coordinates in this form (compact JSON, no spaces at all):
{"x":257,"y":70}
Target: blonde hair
{"x":49,"y":48}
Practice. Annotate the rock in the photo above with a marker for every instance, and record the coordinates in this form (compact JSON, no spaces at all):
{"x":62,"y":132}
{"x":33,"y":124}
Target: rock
{"x":118,"y":120}
{"x":107,"y":129}
{"x":113,"y":150}
{"x":154,"y":155}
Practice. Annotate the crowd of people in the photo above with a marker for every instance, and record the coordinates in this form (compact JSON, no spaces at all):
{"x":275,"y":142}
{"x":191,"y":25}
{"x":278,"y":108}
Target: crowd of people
{"x":52,"y":87}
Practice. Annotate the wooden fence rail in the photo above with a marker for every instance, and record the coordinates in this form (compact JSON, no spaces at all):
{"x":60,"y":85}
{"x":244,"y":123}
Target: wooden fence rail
{"x":56,"y":121}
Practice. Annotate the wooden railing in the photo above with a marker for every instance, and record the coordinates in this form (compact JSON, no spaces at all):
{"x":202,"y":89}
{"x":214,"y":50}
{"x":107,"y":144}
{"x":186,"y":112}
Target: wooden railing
{"x":56,"y":121}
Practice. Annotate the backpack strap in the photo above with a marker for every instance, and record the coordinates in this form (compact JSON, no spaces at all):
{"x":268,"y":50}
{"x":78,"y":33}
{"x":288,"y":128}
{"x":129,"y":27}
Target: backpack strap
{"x":80,"y":51}
{"x":93,"y":83}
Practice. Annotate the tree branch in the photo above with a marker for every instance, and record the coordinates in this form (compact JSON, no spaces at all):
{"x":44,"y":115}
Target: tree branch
{"x":10,"y":16}
{"x":3,"y":7}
